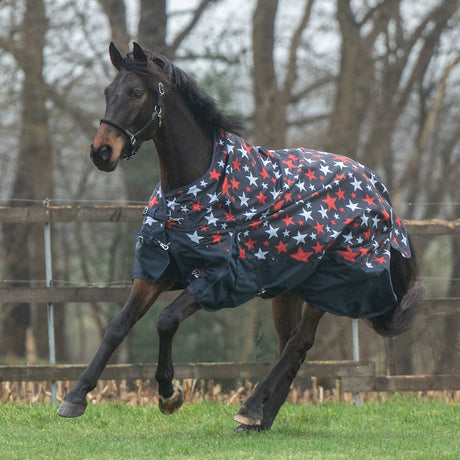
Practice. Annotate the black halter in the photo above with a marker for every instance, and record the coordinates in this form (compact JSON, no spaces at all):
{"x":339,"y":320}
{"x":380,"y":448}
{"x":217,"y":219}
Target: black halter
{"x":133,"y":136}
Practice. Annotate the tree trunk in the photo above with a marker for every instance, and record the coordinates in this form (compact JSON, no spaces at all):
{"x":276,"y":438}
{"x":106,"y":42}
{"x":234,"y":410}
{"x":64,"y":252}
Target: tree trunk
{"x":26,"y":259}
{"x":270,"y":117}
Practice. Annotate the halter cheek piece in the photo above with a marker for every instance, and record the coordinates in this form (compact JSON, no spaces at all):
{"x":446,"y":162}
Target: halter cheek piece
{"x":156,"y":114}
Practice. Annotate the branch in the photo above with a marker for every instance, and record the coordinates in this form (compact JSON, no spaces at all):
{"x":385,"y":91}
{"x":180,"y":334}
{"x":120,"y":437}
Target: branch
{"x":189,"y":27}
{"x":292,"y":62}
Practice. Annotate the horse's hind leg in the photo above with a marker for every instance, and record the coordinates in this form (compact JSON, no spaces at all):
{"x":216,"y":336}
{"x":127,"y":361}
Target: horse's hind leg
{"x":286,"y":311}
{"x":170,"y":394}
{"x":261,"y":407}
{"x":141,"y":298}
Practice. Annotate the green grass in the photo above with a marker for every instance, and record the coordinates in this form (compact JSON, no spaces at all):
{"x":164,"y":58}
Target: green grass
{"x":398,"y":428}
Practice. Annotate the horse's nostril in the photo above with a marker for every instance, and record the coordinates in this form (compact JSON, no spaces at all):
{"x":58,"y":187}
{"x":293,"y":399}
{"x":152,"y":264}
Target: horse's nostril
{"x":103,"y":153}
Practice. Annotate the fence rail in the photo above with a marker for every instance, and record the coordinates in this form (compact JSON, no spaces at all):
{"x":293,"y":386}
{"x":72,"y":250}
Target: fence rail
{"x":38,"y":214}
{"x":354,"y":376}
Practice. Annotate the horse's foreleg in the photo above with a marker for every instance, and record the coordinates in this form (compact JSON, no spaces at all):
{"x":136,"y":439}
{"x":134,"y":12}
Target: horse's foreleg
{"x":141,"y":298}
{"x":170,"y":394}
{"x":260,"y":403}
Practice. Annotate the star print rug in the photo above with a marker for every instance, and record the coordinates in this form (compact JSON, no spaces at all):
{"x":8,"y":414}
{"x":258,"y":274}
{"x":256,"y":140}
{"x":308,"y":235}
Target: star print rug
{"x":261,"y":222}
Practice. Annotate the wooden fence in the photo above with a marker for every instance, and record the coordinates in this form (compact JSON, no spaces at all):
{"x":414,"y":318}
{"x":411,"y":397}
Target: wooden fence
{"x":354,"y":376}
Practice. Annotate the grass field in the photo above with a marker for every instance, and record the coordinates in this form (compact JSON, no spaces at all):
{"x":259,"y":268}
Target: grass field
{"x":399,"y":428}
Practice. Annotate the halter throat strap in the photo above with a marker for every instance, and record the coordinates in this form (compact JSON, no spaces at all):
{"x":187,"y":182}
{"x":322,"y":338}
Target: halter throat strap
{"x":135,"y":143}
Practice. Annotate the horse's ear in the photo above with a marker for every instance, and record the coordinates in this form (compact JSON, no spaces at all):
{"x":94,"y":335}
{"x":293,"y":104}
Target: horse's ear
{"x":115,"y":56}
{"x":138,"y":53}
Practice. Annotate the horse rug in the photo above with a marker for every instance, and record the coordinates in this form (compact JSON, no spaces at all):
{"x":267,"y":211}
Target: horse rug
{"x":262,"y":222}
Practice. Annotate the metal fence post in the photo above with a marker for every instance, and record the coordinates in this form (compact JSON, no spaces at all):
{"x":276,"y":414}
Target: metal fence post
{"x":50,"y":307}
{"x":355,"y":331}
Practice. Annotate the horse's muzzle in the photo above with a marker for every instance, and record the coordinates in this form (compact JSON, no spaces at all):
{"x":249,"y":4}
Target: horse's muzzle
{"x":102,"y":157}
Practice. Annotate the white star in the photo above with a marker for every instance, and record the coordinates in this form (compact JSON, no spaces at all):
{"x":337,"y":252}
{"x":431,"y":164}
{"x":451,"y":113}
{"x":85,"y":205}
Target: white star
{"x":306,"y":215}
{"x":340,"y":164}
{"x":352,"y":206}
{"x":404,"y":240}
{"x":250,"y":214}
{"x":375,"y":221}
{"x":243,"y":152}
{"x":244,"y":200}
{"x":211,"y":219}
{"x":299,"y":237}
{"x":261,"y":254}
{"x":301,"y":186}
{"x":356,"y":184}
{"x":272,"y":232}
{"x":364,"y":219}
{"x":348,"y":237}
{"x":194,"y":190}
{"x":203,"y":183}
{"x":212,"y":197}
{"x":252,"y":179}
{"x":194,"y":237}
{"x":325,"y":169}
{"x":172,"y":203}
{"x":323,"y":212}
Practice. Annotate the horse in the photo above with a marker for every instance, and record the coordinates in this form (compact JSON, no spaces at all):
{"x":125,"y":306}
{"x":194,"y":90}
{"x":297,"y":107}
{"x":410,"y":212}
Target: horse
{"x":313,"y":231}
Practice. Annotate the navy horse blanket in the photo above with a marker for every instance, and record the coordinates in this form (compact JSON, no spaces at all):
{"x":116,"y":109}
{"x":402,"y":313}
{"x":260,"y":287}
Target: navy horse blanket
{"x":262,"y":222}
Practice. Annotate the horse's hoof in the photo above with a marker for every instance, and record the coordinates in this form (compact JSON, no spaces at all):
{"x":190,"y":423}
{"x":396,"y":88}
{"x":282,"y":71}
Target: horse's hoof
{"x":247,"y":429}
{"x":71,"y":409}
{"x":172,"y":404}
{"x":249,"y":417}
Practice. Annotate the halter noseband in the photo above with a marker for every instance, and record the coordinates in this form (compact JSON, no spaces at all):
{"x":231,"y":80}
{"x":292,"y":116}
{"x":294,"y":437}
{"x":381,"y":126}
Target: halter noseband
{"x":133,"y":136}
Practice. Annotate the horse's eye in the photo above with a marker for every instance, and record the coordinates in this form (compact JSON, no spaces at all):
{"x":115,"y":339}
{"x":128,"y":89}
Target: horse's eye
{"x":138,"y":95}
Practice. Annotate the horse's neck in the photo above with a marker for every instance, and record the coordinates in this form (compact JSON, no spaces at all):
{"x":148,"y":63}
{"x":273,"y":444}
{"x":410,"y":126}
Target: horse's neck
{"x":184,"y":150}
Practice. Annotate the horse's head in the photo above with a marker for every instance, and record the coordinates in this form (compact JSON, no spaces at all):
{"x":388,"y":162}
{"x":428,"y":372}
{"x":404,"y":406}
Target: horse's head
{"x":133,"y":108}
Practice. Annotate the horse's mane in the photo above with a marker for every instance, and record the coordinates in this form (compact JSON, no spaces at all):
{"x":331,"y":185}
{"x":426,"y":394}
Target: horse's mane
{"x":203,"y":107}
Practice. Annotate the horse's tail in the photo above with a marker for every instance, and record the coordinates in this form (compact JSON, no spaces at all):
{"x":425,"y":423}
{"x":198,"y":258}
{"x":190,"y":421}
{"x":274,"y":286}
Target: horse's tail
{"x":409,"y":293}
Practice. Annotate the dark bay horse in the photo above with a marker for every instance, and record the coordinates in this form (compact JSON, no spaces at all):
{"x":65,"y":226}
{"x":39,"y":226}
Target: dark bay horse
{"x":311,"y":230}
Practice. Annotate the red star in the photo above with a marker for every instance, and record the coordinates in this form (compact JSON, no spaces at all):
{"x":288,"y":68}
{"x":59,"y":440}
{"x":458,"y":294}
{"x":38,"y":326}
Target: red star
{"x":363,"y":251}
{"x":236,"y":164}
{"x":380,"y":260}
{"x":250,"y":243}
{"x":289,"y":164}
{"x":386,"y":216}
{"x":288,"y":221}
{"x":196,"y":206}
{"x":214,"y":174}
{"x":216,"y":238}
{"x":340,"y":194}
{"x":204,"y":228}
{"x":255,"y":224}
{"x":229,"y":216}
{"x":282,"y":247}
{"x":370,"y":201}
{"x":261,"y":197}
{"x":339,"y":177}
{"x":319,"y":228}
{"x":242,"y":253}
{"x":318,"y":248}
{"x":301,"y":255}
{"x":153,"y":201}
{"x":277,"y":206}
{"x":330,"y":202}
{"x":264,"y":173}
{"x":367,"y":234}
{"x":349,"y":254}
{"x":225,"y":187}
{"x":235,"y":183}
{"x":311,"y":174}
{"x":288,"y":197}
